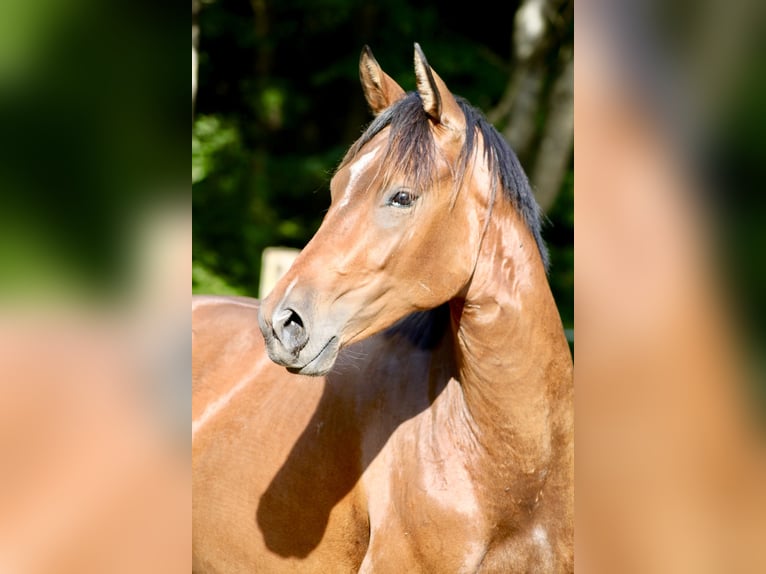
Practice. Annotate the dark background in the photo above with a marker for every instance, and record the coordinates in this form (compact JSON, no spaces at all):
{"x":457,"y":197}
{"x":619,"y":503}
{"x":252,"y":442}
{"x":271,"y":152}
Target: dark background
{"x":278,"y":102}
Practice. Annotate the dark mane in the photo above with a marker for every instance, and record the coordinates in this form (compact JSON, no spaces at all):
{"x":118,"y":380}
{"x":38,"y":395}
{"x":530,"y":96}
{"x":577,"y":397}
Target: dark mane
{"x":411,"y":148}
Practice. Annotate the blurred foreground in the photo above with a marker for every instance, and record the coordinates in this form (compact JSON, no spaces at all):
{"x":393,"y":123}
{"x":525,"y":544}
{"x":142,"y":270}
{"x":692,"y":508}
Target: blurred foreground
{"x":669,"y":412}
{"x":95,"y":259}
{"x":94,"y":422}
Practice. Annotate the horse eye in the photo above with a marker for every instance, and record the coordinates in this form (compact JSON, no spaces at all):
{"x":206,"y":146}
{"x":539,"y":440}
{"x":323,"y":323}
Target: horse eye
{"x":402,"y":199}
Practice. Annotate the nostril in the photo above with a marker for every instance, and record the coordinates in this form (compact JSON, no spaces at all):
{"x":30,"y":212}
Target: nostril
{"x":294,"y":319}
{"x":289,"y":328}
{"x":293,"y":326}
{"x":287,"y":317}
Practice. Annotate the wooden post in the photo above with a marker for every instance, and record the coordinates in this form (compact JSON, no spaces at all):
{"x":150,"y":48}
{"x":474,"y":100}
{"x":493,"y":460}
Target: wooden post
{"x":275,"y":262}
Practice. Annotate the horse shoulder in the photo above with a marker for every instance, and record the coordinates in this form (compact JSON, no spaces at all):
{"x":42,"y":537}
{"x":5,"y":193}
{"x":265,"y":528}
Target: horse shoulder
{"x":275,"y":460}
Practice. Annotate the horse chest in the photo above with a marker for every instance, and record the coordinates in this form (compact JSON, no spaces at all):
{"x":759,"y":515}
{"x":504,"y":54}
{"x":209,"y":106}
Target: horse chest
{"x":424,"y":512}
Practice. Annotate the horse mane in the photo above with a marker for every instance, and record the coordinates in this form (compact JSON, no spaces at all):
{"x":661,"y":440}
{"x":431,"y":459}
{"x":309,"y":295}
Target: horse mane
{"x":412,"y":150}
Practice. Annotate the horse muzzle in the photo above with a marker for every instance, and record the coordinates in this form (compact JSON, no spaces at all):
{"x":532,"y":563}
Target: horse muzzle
{"x":291,"y":342}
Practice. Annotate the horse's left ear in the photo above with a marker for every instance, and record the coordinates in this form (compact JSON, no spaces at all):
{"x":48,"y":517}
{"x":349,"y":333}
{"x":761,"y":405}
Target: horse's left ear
{"x":380,"y":89}
{"x":438,"y":101}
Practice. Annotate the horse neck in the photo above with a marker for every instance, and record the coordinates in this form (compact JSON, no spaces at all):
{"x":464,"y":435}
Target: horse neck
{"x":512,"y":357}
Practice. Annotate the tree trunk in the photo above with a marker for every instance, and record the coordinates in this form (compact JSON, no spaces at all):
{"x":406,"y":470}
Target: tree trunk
{"x":546,"y":150}
{"x":555,"y":149}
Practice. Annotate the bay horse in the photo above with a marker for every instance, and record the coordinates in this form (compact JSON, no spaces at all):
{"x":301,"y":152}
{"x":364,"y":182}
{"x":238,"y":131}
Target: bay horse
{"x":402,"y":401}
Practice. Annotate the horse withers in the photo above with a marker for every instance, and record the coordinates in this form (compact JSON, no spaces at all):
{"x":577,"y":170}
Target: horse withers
{"x":402,"y":401}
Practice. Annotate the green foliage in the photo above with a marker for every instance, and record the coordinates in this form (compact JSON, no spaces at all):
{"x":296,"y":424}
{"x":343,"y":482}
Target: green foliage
{"x":213,"y":141}
{"x":205,"y":281}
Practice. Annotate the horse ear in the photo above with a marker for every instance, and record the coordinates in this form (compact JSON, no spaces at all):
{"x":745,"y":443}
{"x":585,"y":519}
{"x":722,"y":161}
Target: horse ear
{"x":379,"y":88}
{"x":438,"y":101}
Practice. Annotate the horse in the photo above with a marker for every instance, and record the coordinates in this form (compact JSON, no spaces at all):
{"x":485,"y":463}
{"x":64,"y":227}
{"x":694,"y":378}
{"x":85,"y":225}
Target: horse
{"x":402,"y":400}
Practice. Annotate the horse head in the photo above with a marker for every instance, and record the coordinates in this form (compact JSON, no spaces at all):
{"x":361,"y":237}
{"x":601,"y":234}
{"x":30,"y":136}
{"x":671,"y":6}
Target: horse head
{"x":403,"y":230}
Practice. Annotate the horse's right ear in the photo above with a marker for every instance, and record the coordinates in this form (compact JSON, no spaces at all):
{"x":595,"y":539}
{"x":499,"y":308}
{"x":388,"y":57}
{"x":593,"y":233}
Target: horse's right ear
{"x":379,"y":88}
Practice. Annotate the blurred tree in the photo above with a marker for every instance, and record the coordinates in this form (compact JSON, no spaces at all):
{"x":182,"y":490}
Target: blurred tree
{"x":536,"y":113}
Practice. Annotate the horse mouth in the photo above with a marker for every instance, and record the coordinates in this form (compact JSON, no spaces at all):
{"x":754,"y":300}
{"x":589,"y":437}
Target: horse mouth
{"x":322,"y":362}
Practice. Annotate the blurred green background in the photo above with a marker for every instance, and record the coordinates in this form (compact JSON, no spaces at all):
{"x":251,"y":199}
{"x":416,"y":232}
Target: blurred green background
{"x":278,"y":102}
{"x":91,"y":116}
